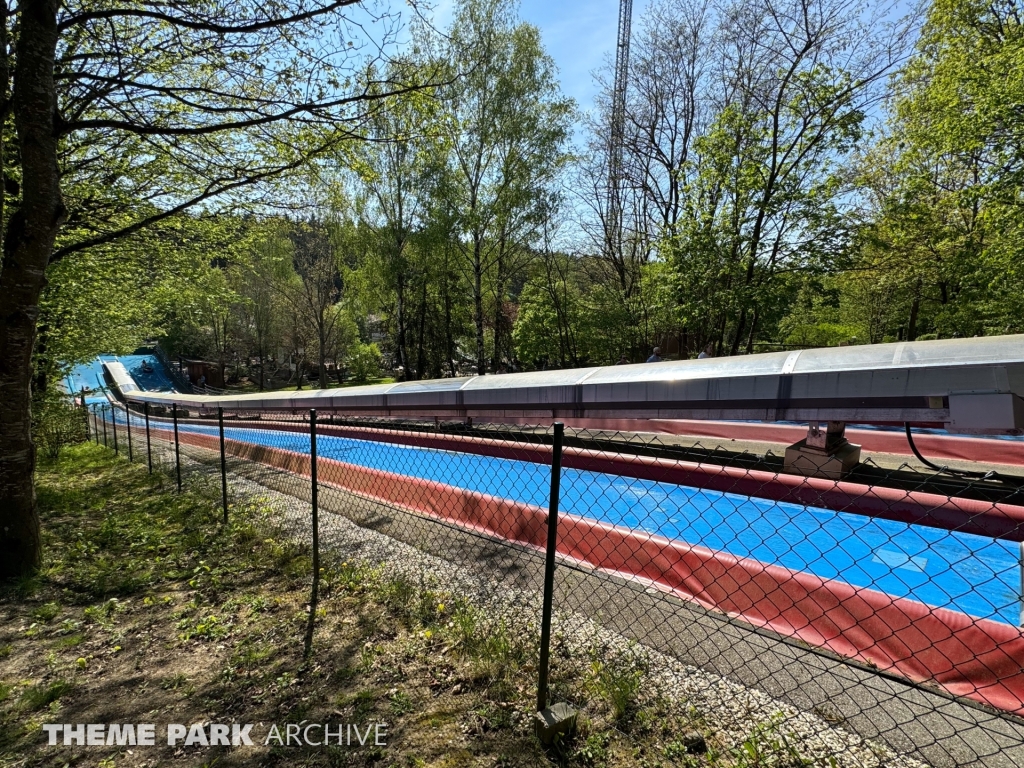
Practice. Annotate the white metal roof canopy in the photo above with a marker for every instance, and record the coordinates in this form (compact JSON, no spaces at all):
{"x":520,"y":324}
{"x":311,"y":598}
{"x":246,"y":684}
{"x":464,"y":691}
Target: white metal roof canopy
{"x":970,"y":385}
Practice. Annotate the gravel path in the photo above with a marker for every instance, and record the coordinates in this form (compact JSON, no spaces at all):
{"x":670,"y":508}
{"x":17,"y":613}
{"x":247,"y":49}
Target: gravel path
{"x":728,"y":708}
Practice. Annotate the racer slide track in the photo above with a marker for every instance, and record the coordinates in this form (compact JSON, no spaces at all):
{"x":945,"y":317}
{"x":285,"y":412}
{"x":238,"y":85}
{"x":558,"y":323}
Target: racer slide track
{"x":965,"y":653}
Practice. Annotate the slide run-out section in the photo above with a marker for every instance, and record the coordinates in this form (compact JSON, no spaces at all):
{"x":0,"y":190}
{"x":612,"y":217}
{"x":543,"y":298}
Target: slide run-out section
{"x":927,"y":603}
{"x":969,"y":573}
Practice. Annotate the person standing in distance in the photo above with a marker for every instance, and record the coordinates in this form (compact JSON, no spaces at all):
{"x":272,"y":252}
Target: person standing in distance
{"x":656,"y":356}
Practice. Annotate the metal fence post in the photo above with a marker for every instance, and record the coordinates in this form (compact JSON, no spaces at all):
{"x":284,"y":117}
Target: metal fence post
{"x":177,"y":455}
{"x":85,"y":411}
{"x":128,"y":421}
{"x":149,"y":453}
{"x":549,"y":567}
{"x":316,"y":534}
{"x":113,"y":426}
{"x":223,"y":464}
{"x":560,"y":718}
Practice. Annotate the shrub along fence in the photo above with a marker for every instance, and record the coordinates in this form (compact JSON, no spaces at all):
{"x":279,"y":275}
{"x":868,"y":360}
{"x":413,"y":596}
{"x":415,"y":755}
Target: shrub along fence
{"x":56,"y":423}
{"x":877,"y":616}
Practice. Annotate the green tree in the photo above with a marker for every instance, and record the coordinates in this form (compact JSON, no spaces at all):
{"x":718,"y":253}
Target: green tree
{"x":944,"y":184}
{"x":318,"y":289}
{"x":502,"y":128}
{"x":764,"y":202}
{"x":391,"y":171}
{"x":364,"y":361}
{"x":257,"y":281}
{"x":194,"y":104}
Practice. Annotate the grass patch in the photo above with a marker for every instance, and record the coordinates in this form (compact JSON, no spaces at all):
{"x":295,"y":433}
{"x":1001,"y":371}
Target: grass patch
{"x":147,"y":603}
{"x":149,"y":609}
{"x":39,"y":696}
{"x":46,"y":612}
{"x":619,"y":684}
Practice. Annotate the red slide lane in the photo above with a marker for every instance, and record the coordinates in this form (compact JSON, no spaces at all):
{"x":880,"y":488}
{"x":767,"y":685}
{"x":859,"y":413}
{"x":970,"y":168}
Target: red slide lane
{"x":995,"y":520}
{"x":975,"y":658}
{"x":934,"y":447}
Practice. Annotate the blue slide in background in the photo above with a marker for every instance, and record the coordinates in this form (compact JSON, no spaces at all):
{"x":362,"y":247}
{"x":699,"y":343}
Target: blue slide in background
{"x":86,"y":375}
{"x":156,"y":380}
{"x":89,"y":375}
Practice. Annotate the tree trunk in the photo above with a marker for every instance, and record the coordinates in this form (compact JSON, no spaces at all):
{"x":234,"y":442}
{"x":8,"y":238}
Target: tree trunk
{"x":478,"y":307}
{"x":751,"y":334}
{"x":5,"y":81}
{"x":221,"y":332}
{"x":421,"y":354}
{"x":740,"y":327}
{"x":403,"y":351}
{"x":449,"y":341}
{"x":915,"y":308}
{"x":499,"y":306}
{"x":499,"y":327}
{"x":323,"y":356}
{"x":28,"y":246}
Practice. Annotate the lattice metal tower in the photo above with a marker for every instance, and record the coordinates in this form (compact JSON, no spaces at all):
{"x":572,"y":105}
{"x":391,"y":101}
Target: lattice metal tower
{"x":618,"y":126}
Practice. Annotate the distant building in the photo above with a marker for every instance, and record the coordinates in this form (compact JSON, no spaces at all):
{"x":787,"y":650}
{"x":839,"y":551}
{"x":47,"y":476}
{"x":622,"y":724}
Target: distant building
{"x":199,"y":368}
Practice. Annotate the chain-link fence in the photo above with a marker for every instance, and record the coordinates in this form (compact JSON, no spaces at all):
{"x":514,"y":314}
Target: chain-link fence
{"x":870,"y":621}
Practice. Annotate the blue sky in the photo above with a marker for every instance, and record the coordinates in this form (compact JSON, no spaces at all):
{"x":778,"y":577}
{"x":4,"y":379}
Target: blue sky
{"x":580,"y":34}
{"x":577,"y":34}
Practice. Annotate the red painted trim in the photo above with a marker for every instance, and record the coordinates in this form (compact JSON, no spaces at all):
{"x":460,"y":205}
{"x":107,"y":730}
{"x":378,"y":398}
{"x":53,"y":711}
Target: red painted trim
{"x":975,"y":658}
{"x":985,"y":450}
{"x":934,"y":447}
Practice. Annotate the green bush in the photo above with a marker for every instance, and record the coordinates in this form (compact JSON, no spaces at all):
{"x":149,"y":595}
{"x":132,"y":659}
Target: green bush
{"x":56,"y":423}
{"x":364,"y":361}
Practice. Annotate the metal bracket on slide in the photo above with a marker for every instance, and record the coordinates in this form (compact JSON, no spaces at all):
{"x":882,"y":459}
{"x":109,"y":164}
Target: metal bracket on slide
{"x":823,"y":453}
{"x":827,"y":441}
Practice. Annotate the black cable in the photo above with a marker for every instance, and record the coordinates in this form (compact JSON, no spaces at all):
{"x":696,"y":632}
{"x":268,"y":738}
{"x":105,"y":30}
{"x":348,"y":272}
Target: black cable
{"x":990,"y":475}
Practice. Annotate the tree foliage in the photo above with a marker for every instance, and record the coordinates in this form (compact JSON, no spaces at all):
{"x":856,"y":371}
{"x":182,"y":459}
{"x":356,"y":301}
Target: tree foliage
{"x":259,"y":185}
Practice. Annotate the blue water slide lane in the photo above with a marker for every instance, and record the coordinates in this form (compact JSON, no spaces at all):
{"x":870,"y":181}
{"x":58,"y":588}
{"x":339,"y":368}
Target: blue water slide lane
{"x":87,"y":375}
{"x":90,"y":375}
{"x":155,"y":380}
{"x":960,"y":571}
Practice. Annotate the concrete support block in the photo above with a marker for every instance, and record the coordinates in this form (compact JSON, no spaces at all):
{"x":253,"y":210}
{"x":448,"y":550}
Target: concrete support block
{"x":556,"y":719}
{"x":802,"y":459}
